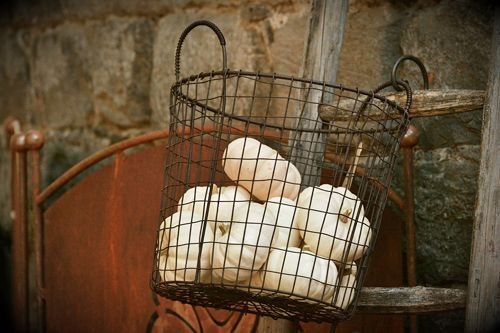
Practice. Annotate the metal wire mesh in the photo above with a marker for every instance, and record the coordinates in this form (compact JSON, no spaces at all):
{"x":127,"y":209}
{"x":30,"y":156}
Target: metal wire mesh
{"x":267,"y":207}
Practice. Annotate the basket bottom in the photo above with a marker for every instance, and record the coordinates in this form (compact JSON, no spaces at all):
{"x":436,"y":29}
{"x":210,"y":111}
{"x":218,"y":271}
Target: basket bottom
{"x":257,"y":301}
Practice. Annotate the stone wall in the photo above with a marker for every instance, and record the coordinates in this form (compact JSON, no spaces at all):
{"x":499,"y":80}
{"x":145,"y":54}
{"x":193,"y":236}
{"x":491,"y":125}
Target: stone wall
{"x":90,"y":73}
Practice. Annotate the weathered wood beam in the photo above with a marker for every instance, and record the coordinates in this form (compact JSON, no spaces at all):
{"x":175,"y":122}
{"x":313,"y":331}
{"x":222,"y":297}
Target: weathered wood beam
{"x":483,"y":304}
{"x":429,"y":103}
{"x":321,"y":60}
{"x":425,"y":103}
{"x":410,"y":300}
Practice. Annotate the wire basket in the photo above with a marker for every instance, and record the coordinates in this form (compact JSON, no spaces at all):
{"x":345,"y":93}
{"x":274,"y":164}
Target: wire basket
{"x":273,"y":193}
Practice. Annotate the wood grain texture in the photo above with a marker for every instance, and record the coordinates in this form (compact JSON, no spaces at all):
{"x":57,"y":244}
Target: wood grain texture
{"x":321,"y":60}
{"x":483,"y":304}
{"x":425,"y":103}
{"x":429,"y":103}
{"x":410,"y":299}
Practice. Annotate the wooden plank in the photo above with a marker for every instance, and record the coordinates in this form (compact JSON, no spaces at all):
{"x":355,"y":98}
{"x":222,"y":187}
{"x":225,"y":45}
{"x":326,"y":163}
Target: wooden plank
{"x":483,"y":305}
{"x":429,"y":103}
{"x":425,"y":103}
{"x":321,"y":60}
{"x":410,"y":300}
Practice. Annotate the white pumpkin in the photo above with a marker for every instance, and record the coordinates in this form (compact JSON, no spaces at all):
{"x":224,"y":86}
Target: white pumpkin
{"x":185,"y":235}
{"x":332,"y":222}
{"x":162,"y":265}
{"x":260,"y":169}
{"x":301,"y":273}
{"x":195,"y":199}
{"x":255,"y":284}
{"x":167,"y":227}
{"x":242,"y":248}
{"x":224,"y":202}
{"x":346,"y":287}
{"x":284,"y":210}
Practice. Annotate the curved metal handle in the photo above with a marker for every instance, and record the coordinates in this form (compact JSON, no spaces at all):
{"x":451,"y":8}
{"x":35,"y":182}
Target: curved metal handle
{"x":215,"y":151}
{"x":398,"y":83}
{"x":420,"y":64}
{"x":193,"y":25}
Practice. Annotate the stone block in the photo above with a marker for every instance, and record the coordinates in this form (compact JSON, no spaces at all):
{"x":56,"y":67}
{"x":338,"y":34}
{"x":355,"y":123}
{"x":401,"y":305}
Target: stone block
{"x":14,"y":76}
{"x":64,"y":148}
{"x":445,"y":193}
{"x":371,"y":44}
{"x":286,"y":47}
{"x":30,"y":12}
{"x":60,"y":78}
{"x":119,"y":56}
{"x":47,"y":12}
{"x":201,"y":52}
{"x":453,"y":39}
{"x":450,"y":130}
{"x":257,"y":37}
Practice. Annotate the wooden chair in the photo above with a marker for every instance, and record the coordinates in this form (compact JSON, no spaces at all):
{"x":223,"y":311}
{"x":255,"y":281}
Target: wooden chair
{"x":93,"y":244}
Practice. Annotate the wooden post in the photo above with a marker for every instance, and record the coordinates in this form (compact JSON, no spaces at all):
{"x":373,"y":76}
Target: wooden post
{"x":483,"y":303}
{"x":321,"y":59}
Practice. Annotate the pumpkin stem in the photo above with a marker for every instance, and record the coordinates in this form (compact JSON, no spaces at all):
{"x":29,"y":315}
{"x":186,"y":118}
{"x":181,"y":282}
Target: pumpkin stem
{"x":222,"y":228}
{"x":344,"y":216}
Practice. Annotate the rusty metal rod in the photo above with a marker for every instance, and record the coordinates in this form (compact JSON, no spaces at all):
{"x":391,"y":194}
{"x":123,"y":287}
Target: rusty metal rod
{"x":408,"y":144}
{"x":20,"y":241}
{"x":410,"y":217}
{"x":34,"y":142}
{"x":142,"y":139}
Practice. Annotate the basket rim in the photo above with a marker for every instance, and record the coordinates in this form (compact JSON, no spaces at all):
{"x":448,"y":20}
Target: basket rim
{"x":231,"y":73}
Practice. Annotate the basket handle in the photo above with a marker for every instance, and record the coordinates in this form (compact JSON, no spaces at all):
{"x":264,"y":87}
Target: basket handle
{"x":402,"y":85}
{"x":215,"y":151}
{"x":420,"y":65}
{"x":193,"y":25}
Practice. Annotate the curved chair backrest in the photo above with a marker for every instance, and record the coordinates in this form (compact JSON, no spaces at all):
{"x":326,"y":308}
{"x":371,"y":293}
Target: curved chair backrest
{"x":94,"y":247}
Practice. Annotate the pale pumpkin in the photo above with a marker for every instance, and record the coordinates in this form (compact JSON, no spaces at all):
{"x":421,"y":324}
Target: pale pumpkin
{"x":242,"y":248}
{"x":332,"y":222}
{"x":195,"y":199}
{"x":183,"y":236}
{"x":224,"y":202}
{"x":167,"y":227}
{"x":300,"y":273}
{"x":345,"y":290}
{"x":255,"y":284}
{"x":221,"y":203}
{"x":260,"y":169}
{"x":284,"y":210}
{"x":162,"y":265}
